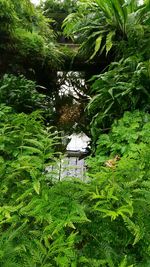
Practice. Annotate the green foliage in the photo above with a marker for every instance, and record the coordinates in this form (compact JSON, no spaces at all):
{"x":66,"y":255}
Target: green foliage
{"x":99,"y":25}
{"x":128,"y":134}
{"x":29,"y":42}
{"x":121,"y":194}
{"x":21,"y":94}
{"x":26,"y":148}
{"x":38,"y":48}
{"x":58,"y":11}
{"x":7,"y":17}
{"x":125,"y":86}
{"x":121,"y":198}
{"x":23,"y":14}
{"x":102,"y":223}
{"x":27,"y":33}
{"x":32,"y":19}
{"x":14,"y":13}
{"x":54,"y":6}
{"x":37,"y":218}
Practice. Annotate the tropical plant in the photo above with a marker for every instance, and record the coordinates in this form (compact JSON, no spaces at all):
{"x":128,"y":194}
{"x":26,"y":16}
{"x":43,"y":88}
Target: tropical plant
{"x":104,"y":222}
{"x":124,"y":87}
{"x":23,"y":14}
{"x":99,"y":25}
{"x":58,"y":11}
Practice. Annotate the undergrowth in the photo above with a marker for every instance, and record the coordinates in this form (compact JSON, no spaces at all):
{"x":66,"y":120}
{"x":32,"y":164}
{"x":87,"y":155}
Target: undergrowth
{"x":45,"y":222}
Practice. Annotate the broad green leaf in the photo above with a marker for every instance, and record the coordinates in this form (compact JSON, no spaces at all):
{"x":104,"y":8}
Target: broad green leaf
{"x":109,"y":42}
{"x":97,"y":46}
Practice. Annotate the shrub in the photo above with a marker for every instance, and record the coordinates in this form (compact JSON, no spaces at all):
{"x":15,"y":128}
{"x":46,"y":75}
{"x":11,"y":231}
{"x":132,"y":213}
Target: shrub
{"x":131,"y":131}
{"x":29,"y":43}
{"x":21,"y":94}
{"x":34,"y":215}
{"x":120,"y":194}
{"x":124,"y":87}
{"x":102,"y":223}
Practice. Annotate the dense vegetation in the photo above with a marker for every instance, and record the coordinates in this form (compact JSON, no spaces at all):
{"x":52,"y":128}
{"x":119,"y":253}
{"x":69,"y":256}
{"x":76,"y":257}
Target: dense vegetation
{"x":104,"y":221}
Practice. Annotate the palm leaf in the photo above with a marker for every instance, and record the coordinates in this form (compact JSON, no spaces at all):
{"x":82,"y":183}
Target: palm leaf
{"x":105,"y":7}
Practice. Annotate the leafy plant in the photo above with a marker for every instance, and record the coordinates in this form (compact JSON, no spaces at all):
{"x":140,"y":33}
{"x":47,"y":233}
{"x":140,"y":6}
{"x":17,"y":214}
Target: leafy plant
{"x":21,"y":94}
{"x":125,"y":86}
{"x":7,"y":18}
{"x":98,"y":25}
{"x":104,"y":222}
{"x":27,"y":38}
{"x":121,"y":198}
{"x":37,"y":217}
{"x":125,"y":136}
{"x":120,"y":193}
{"x":58,"y":11}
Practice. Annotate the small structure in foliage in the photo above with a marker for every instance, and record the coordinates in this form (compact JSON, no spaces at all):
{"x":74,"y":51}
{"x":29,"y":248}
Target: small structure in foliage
{"x":73,"y":164}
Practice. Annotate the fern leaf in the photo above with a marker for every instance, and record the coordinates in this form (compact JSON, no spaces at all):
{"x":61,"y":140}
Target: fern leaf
{"x":134,"y":229}
{"x":31,"y":150}
{"x":34,"y":142}
{"x":36,"y":186}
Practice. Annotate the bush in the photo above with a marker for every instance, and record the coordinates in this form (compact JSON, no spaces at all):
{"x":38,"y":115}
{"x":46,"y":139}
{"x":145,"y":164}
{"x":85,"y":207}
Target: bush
{"x":21,"y":94}
{"x":26,"y":37}
{"x":29,"y":43}
{"x":124,"y":87}
{"x":102,"y":223}
{"x":120,"y":194}
{"x":128,"y":133}
{"x":34,"y":215}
